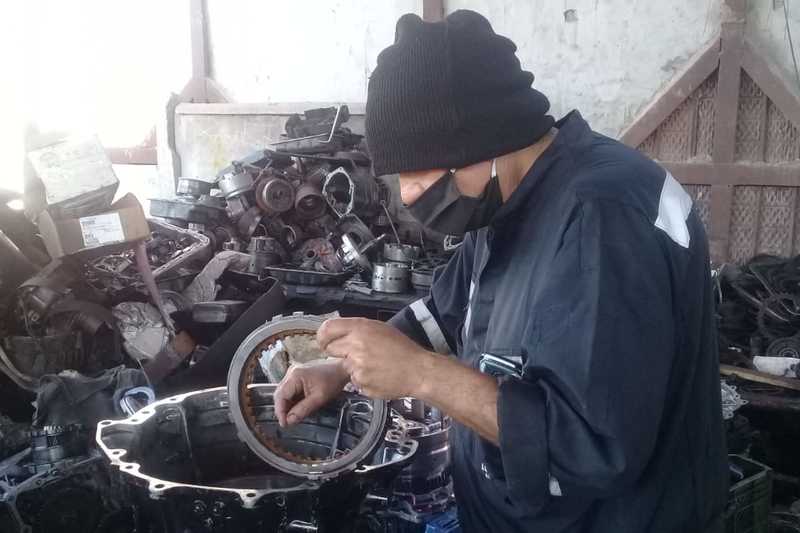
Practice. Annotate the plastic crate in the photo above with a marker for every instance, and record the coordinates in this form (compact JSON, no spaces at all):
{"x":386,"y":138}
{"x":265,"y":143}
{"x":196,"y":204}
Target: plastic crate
{"x":446,"y":522}
{"x":750,"y":499}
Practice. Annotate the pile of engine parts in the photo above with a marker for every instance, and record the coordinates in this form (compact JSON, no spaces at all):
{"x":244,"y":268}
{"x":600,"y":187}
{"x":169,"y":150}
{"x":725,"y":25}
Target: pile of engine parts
{"x":758,"y":315}
{"x":115,"y":414}
{"x":308,"y":211}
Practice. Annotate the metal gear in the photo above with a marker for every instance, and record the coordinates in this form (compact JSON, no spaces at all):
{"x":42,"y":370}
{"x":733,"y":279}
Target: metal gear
{"x":260,"y":356}
{"x":784,"y":347}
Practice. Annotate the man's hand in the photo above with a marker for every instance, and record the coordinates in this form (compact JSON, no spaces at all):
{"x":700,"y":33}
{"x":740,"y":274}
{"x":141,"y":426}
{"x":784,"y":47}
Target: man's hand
{"x":306,"y":388}
{"x":382,"y":362}
{"x":386,"y":364}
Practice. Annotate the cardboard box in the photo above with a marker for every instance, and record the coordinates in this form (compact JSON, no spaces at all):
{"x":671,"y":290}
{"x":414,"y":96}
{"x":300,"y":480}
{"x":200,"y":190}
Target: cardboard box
{"x":95,"y":235}
{"x":75,"y":178}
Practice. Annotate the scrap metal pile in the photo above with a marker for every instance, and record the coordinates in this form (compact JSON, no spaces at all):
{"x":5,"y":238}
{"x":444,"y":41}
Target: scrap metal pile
{"x":308,"y":211}
{"x":119,"y":331}
{"x":759,"y":315}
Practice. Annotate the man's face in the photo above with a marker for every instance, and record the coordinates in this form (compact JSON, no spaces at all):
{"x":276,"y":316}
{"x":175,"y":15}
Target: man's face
{"x":470,"y":181}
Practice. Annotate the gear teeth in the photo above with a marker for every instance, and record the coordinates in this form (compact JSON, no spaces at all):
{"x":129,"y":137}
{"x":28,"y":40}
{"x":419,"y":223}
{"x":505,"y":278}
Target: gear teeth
{"x":248,"y":409}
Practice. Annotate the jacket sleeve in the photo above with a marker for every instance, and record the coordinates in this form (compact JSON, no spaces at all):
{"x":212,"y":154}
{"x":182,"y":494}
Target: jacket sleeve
{"x":588,"y":407}
{"x":435,"y":320}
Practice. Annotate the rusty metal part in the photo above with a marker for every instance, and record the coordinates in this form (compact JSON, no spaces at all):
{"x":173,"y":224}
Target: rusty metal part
{"x":187,"y":487}
{"x":249,"y":222}
{"x":264,"y":251}
{"x":291,"y":235}
{"x":358,"y":231}
{"x":244,"y":393}
{"x":274,"y":195}
{"x":333,"y":138}
{"x":309,"y":202}
{"x":238,"y":206}
{"x":317,"y":121}
{"x":318,"y":254}
{"x":320,"y":227}
{"x":351,"y":191}
{"x":235,"y":183}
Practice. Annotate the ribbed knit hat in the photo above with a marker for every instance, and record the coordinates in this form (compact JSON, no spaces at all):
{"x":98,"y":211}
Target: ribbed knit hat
{"x":450,"y":94}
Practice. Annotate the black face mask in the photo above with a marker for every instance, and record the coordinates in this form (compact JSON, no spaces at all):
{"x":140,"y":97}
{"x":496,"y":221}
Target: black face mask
{"x":444,"y":209}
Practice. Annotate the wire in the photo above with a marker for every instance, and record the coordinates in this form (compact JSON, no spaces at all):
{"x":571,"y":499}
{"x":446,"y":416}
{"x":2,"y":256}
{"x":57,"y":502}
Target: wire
{"x":391,"y":224}
{"x":791,"y":45}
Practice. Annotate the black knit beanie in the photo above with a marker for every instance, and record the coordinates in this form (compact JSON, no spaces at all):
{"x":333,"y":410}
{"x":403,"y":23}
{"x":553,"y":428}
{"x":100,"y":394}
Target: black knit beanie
{"x":450,"y":94}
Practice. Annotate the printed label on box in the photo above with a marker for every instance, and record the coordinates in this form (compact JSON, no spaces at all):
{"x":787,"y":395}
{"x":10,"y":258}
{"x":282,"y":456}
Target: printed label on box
{"x":102,"y":229}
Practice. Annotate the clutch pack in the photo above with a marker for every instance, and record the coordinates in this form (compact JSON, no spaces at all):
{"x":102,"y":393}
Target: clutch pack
{"x":335,"y":440}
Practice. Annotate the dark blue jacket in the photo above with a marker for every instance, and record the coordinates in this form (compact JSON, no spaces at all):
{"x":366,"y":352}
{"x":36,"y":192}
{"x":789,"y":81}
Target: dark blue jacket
{"x":595,"y":276}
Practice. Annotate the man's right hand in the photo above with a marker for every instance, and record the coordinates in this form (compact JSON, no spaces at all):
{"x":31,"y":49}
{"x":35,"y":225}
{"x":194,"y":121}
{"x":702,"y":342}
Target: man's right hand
{"x":306,"y":388}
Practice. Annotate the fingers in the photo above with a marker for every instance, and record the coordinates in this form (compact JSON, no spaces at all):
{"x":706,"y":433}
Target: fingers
{"x":341,"y":347}
{"x":335,"y":328}
{"x":304,"y":407}
{"x":287,"y":391}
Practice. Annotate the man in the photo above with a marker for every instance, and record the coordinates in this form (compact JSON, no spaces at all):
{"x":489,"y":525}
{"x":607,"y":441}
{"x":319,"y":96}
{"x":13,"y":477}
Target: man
{"x":585,"y":386}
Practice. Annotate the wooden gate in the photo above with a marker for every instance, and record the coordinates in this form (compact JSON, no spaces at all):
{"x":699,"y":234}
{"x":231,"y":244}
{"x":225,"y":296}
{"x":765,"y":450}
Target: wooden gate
{"x":728,"y":128}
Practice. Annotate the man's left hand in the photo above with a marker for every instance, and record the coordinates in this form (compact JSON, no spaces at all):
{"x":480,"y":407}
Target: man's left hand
{"x":382,"y":362}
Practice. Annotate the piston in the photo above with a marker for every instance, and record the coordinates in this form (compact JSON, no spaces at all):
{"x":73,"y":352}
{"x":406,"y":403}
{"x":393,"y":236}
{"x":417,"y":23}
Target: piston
{"x":390,"y":277}
{"x":309,"y":203}
{"x":401,"y":253}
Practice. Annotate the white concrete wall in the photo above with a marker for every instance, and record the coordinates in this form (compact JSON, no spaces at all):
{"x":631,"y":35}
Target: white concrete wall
{"x":766,"y":26}
{"x":612,"y":59}
{"x":300,"y":50}
{"x":608,"y":63}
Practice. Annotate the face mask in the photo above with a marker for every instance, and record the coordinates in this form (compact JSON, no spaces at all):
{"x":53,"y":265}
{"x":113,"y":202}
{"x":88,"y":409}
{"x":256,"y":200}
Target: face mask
{"x":444,"y":209}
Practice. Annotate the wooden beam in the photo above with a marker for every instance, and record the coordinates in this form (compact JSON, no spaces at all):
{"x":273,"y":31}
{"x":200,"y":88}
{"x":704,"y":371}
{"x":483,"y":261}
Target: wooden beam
{"x":770,"y":79}
{"x":727,"y":98}
{"x":721,"y":208}
{"x":197,"y":14}
{"x":736,"y":9}
{"x":770,"y":401}
{"x":432,"y":10}
{"x":172,"y":165}
{"x":201,"y":87}
{"x":726,"y":106}
{"x":735,"y":174}
{"x":760,"y":377}
{"x":670,"y":97}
